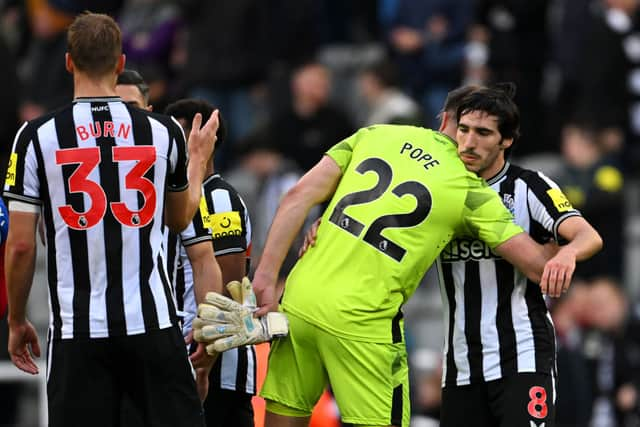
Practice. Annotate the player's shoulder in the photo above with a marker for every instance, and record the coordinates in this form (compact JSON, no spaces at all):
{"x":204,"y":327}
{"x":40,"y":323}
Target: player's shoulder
{"x":534,"y":179}
{"x":217,"y":182}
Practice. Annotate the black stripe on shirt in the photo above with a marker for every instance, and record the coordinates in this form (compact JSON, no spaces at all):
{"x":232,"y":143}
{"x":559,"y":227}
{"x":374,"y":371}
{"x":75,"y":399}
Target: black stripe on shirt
{"x":241,"y":372}
{"x":543,"y":335}
{"x":452,"y":369}
{"x":65,"y":129}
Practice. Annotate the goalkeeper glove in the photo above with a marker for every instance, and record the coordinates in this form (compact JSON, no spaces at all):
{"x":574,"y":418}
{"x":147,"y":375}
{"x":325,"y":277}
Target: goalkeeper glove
{"x":226,"y":324}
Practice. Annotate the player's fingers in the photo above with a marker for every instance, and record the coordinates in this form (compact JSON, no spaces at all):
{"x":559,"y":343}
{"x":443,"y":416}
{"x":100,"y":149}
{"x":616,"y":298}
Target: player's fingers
{"x":196,"y":122}
{"x":35,"y":347}
{"x":544,"y":280}
{"x":211,"y":333}
{"x":197,"y":356}
{"x":228,"y":343}
{"x":235,"y":290}
{"x":553,"y":278}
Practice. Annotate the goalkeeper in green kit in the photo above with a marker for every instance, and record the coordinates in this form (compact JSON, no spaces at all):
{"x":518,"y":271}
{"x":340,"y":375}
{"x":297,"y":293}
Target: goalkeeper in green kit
{"x":397,"y":195}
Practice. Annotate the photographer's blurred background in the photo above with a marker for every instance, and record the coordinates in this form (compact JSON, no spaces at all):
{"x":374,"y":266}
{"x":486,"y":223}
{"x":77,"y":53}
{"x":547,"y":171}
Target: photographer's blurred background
{"x":293,"y":77}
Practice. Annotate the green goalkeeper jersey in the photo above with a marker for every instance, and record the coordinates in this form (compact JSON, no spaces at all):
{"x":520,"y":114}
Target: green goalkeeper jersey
{"x":403,"y":195}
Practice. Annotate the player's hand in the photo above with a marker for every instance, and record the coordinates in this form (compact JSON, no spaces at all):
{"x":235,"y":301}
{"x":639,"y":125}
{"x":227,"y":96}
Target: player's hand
{"x":227,"y":324}
{"x":202,"y":139}
{"x":23,"y":343}
{"x":309,"y":238}
{"x":558,"y":272}
{"x":266,"y":293}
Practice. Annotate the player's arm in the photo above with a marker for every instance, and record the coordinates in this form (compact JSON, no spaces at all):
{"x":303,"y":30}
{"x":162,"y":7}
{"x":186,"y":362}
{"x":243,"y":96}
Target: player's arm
{"x":233,"y":266}
{"x":525,"y":254}
{"x":181,"y":205}
{"x":19,"y":268}
{"x":207,"y":276}
{"x":314,"y":187}
{"x":584,"y":242}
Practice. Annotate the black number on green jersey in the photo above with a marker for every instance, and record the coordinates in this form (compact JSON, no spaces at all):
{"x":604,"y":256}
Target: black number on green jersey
{"x":344,"y":221}
{"x":373,"y":236}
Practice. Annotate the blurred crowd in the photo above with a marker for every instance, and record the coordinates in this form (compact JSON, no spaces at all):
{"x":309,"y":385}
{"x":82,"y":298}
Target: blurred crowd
{"x":293,"y":77}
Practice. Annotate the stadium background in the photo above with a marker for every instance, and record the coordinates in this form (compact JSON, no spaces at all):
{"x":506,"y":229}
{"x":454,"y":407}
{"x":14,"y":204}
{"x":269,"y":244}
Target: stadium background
{"x":292,"y":77}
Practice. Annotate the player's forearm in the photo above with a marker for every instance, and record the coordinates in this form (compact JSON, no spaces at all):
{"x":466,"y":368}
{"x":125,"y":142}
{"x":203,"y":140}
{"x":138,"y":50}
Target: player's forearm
{"x":19,"y":269}
{"x":206,"y":273}
{"x":196,"y":172}
{"x":585,"y":244}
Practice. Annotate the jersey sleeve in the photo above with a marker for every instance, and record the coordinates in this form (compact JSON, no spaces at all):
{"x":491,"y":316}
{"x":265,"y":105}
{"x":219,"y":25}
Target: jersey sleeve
{"x":195,"y":232}
{"x":178,"y":159}
{"x":342,"y":151}
{"x":486,"y":218}
{"x":223,"y":212}
{"x":547,"y":203}
{"x":22,"y":182}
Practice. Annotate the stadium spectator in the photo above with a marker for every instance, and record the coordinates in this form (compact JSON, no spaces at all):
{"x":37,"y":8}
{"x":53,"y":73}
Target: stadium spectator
{"x":386,"y":102}
{"x":594,"y":184}
{"x":237,"y":31}
{"x":112,"y":313}
{"x":427,"y":40}
{"x":311,"y":124}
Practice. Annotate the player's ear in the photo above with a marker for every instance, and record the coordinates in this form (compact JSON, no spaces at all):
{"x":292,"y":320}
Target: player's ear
{"x":121,"y":62}
{"x":506,"y":143}
{"x":68,"y":63}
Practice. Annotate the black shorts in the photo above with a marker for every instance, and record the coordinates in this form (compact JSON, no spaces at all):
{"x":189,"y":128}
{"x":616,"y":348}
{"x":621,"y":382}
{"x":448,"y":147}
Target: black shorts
{"x":88,"y":379}
{"x":224,"y":408}
{"x":522,"y":400}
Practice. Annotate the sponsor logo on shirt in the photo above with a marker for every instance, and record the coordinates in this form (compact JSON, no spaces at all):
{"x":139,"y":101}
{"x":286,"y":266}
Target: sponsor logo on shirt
{"x":465,"y":250}
{"x":559,"y":200}
{"x":11,"y":169}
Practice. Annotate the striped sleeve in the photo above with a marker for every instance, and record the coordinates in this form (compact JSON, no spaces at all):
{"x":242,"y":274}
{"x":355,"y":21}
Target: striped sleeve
{"x":547,"y":203}
{"x":21,"y":181}
{"x":178,"y":158}
{"x":226,"y":219}
{"x":195,"y":232}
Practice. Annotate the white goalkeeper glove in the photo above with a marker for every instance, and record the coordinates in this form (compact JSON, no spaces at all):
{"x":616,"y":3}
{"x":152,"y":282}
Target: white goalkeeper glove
{"x":226,"y":324}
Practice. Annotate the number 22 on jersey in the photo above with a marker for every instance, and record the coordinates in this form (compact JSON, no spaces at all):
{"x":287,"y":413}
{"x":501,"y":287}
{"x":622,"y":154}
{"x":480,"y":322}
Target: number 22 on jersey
{"x":373,"y":235}
{"x":88,"y":159}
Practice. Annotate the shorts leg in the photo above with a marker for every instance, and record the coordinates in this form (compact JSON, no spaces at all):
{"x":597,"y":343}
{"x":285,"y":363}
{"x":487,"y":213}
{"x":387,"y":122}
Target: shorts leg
{"x":296,"y":376}
{"x":157,"y":376}
{"x":228,"y":408}
{"x":370,"y":381}
{"x":460,"y":404}
{"x":524,"y":400}
{"x":82,"y":388}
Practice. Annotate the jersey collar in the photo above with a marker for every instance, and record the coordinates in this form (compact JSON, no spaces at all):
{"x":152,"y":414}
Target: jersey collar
{"x":97,"y":99}
{"x":497,"y":177}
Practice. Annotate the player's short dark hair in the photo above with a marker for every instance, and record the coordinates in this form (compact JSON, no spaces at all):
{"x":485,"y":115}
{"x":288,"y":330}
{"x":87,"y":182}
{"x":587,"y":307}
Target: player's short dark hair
{"x":186,"y":109}
{"x":94,"y":43}
{"x":132,"y":77}
{"x":496,"y":100}
{"x":454,"y":99}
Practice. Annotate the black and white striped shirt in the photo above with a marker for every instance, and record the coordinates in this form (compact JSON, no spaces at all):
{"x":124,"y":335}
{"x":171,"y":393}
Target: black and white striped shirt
{"x":99,"y":170}
{"x":496,"y":320}
{"x":224,"y":215}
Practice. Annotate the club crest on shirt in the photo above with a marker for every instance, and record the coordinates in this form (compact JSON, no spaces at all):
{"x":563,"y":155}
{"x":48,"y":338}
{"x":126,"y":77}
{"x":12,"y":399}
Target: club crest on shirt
{"x":509,"y":202}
